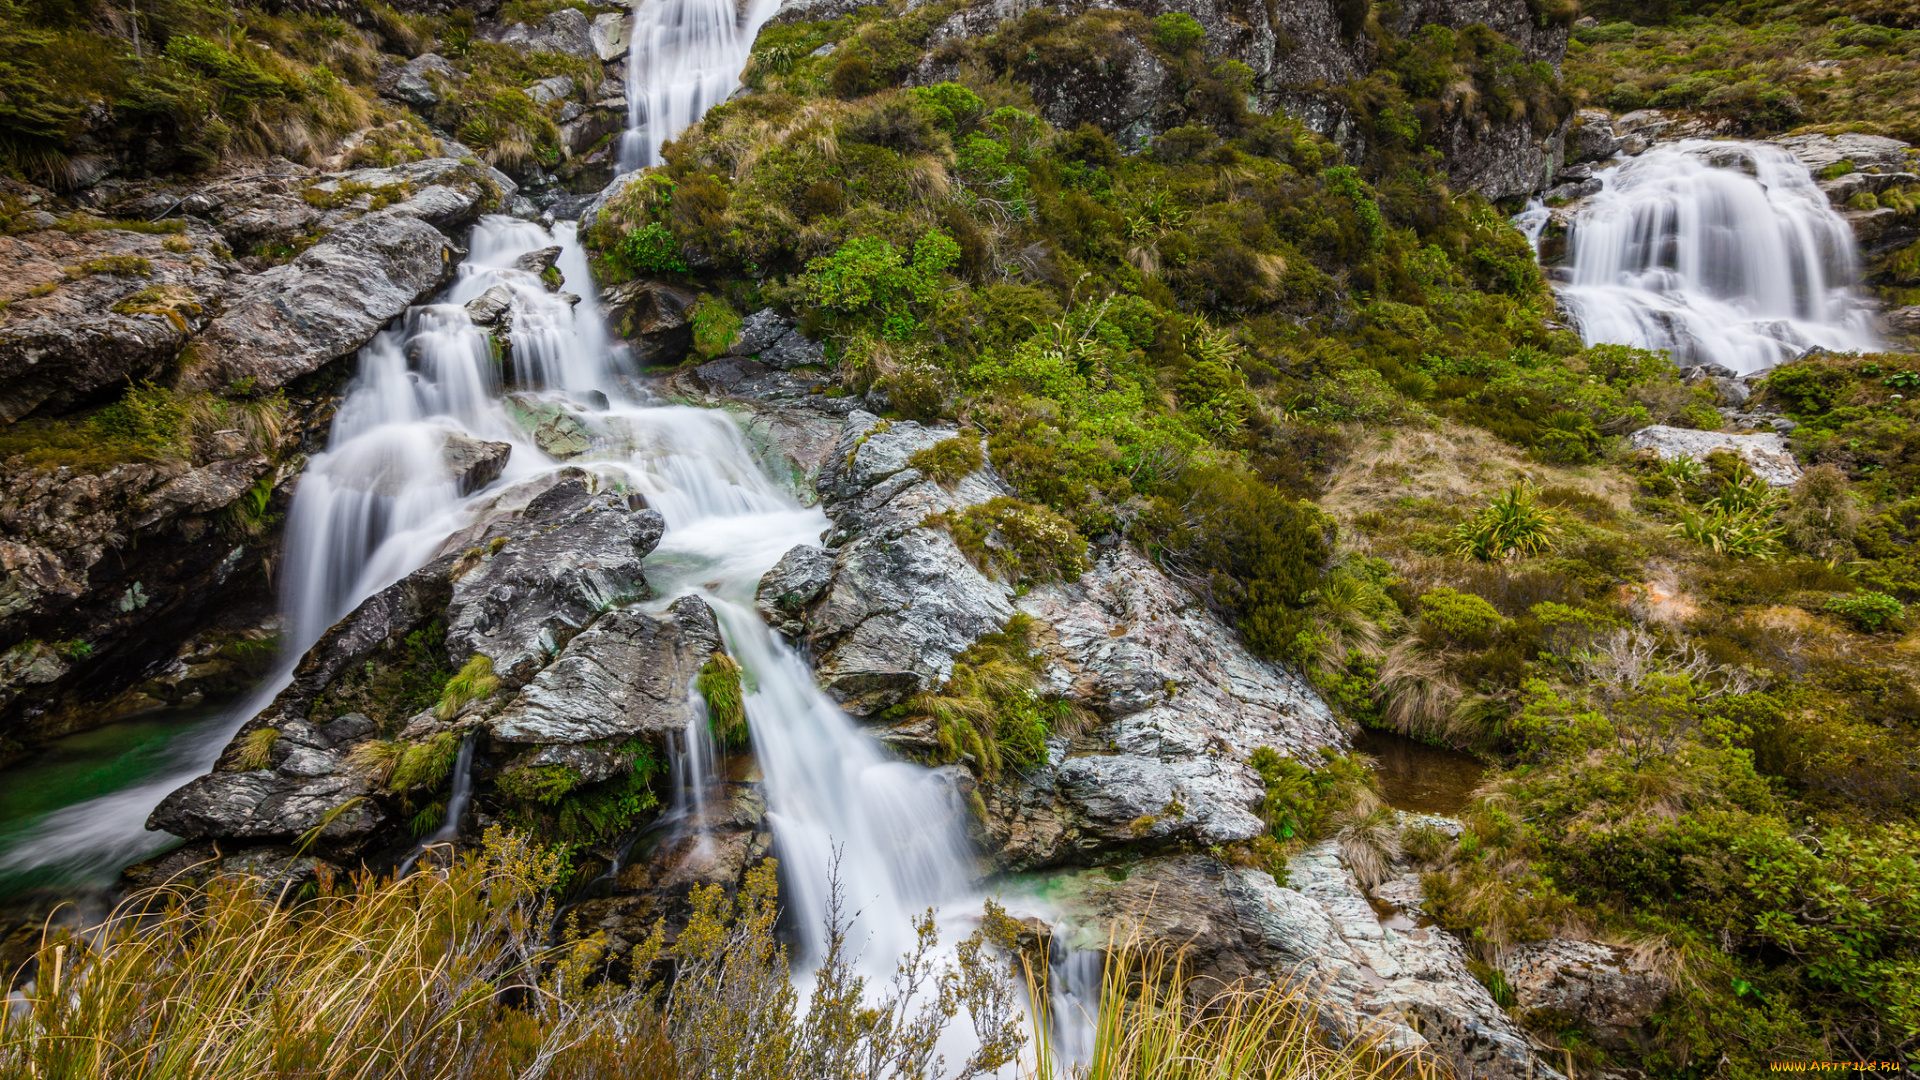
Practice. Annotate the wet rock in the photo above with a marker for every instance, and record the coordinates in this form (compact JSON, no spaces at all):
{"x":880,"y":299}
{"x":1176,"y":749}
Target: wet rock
{"x":795,"y":582}
{"x":572,"y":555}
{"x":492,"y":308}
{"x":1904,"y":320}
{"x":324,"y":304}
{"x":1602,"y":987}
{"x":474,"y":463}
{"x":555,"y":426}
{"x":1569,"y":192}
{"x":904,"y":600}
{"x":654,"y":318}
{"x":1766,"y":455}
{"x":540,"y":264}
{"x":626,"y":675}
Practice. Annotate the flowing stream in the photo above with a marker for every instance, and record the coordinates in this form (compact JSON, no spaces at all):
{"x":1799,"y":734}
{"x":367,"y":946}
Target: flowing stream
{"x":380,"y":503}
{"x":1721,"y":252}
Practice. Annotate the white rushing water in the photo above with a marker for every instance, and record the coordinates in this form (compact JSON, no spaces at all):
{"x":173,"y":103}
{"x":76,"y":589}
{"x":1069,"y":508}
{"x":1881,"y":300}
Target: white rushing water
{"x":685,"y":58}
{"x":1720,"y":252}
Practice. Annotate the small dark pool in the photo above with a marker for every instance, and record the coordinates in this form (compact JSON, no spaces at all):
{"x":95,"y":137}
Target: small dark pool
{"x":1419,"y":778}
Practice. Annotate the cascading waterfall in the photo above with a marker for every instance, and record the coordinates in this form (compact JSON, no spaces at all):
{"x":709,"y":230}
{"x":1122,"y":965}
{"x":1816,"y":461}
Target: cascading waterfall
{"x":1720,"y":252}
{"x":685,"y":58}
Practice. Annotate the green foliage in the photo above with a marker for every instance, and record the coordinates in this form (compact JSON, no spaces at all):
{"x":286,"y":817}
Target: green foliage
{"x":426,"y":765}
{"x":1303,"y":801}
{"x":1513,"y":524}
{"x":1017,"y":541}
{"x":720,"y":686}
{"x":1869,"y":611}
{"x":870,"y":275}
{"x":542,"y":784}
{"x":946,"y":461}
{"x":1178,"y":32}
{"x":1459,"y":617}
{"x":990,"y":712}
{"x":475,"y":681}
{"x":649,"y":249}
{"x":715,"y":327}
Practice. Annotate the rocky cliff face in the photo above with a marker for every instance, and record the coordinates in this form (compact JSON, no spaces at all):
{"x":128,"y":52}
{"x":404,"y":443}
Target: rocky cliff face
{"x":135,"y":521}
{"x":1102,"y":70}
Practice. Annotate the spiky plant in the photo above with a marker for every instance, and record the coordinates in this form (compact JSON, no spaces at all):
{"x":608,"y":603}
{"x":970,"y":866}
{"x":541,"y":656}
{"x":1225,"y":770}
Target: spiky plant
{"x":1514,"y":524}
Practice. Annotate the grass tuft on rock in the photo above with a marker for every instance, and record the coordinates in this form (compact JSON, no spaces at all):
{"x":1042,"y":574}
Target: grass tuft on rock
{"x":722,"y":688}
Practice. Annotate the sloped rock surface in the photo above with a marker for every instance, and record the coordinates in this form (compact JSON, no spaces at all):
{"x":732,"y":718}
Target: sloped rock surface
{"x":794,"y":583}
{"x":60,"y":349}
{"x":1603,"y":987}
{"x":625,"y":675}
{"x":570,"y":556}
{"x":324,"y":304}
{"x":1185,"y":706}
{"x":904,"y":600}
{"x":1406,"y":985}
{"x":654,"y":319}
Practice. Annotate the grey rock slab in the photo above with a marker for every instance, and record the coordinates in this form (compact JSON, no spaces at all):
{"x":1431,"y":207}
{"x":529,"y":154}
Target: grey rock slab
{"x":628,"y":674}
{"x":538,"y":263}
{"x":1817,"y":152}
{"x":572,"y":555}
{"x":1602,"y":986}
{"x":263,"y":805}
{"x":566,"y":32}
{"x":792,"y":585}
{"x":611,"y":34}
{"x":326,"y":303}
{"x":1766,"y":454}
{"x":1412,"y":989}
{"x":548,"y":91}
{"x":655,"y":319}
{"x":760,"y":330}
{"x":556,"y":427}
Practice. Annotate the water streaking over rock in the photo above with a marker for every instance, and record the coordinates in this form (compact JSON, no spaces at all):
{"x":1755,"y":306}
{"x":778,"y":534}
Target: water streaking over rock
{"x":1720,"y":252}
{"x":686,"y":58}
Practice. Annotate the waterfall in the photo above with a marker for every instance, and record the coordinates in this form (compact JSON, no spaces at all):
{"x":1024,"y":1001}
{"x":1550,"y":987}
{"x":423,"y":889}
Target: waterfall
{"x":457,"y":800}
{"x":1720,"y":252}
{"x":685,"y":58}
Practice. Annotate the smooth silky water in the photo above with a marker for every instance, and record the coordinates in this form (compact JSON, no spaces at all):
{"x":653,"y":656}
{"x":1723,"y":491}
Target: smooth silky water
{"x":1720,"y":252}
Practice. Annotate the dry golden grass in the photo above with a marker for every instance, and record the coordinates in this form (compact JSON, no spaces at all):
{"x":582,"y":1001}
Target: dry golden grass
{"x":1151,"y":1028}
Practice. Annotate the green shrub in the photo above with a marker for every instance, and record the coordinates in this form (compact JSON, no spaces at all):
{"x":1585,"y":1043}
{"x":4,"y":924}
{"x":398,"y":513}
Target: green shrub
{"x":868,"y":274}
{"x":542,"y":784}
{"x":715,"y":327}
{"x":1513,"y":524}
{"x":1178,"y":32}
{"x":1459,"y":617}
{"x":1869,"y":611}
{"x":946,"y":461}
{"x":1303,"y":802}
{"x":1016,"y":541}
{"x":649,"y":249}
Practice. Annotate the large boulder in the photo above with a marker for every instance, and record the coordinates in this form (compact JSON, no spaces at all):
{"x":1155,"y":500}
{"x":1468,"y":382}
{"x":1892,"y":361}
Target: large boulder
{"x":904,"y":600}
{"x":1369,"y":974}
{"x":566,"y":32}
{"x":543,"y":575}
{"x":626,"y":675}
{"x":326,"y":303}
{"x":87,"y":312}
{"x":655,"y":319}
{"x":1609,"y":990}
{"x":792,"y":585}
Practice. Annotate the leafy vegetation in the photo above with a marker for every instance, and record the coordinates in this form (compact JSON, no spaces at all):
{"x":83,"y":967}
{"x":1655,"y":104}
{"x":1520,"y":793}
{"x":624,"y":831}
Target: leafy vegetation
{"x":720,"y":686}
{"x":991,"y":713}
